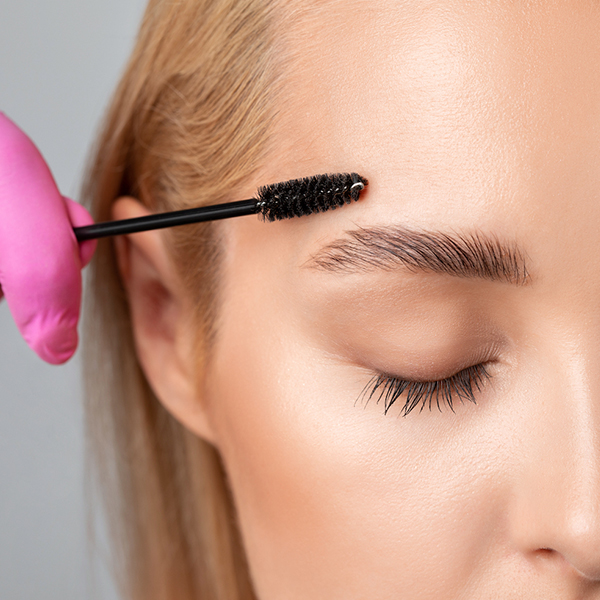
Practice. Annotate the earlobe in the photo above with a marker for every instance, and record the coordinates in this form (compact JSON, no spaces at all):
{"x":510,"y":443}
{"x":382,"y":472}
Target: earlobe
{"x":161,"y":316}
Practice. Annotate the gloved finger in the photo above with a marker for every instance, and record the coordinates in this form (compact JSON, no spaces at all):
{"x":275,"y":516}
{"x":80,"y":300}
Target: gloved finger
{"x":39,"y":255}
{"x":80,"y":217}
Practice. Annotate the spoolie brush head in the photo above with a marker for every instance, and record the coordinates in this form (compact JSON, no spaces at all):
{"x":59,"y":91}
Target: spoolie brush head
{"x":300,"y":197}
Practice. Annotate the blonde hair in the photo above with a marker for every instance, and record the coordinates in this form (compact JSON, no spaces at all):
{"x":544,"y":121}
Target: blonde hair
{"x":189,"y":122}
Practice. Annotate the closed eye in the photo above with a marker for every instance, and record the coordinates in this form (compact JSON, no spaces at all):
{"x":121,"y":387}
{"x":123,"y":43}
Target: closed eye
{"x":461,"y":385}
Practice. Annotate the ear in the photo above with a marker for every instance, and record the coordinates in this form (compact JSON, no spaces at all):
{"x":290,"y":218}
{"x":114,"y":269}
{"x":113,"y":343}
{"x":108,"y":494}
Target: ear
{"x":162,"y":320}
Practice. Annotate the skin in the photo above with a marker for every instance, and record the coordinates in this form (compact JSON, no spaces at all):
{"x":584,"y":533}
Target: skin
{"x":479,"y":116}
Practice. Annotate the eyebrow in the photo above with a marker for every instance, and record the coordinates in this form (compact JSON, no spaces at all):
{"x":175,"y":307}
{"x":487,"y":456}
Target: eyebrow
{"x":466,"y":255}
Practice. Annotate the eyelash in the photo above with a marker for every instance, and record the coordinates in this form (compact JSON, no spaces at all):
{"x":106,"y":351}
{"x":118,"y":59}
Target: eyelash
{"x":460,"y":385}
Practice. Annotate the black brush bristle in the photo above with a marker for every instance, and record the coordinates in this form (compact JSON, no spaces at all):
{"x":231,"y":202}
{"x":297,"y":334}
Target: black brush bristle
{"x":300,"y":197}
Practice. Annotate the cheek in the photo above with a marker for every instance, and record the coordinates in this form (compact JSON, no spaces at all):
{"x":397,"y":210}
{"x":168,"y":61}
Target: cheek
{"x":336,"y":500}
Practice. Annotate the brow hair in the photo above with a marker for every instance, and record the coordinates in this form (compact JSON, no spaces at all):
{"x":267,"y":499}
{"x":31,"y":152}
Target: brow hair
{"x":471,"y":254}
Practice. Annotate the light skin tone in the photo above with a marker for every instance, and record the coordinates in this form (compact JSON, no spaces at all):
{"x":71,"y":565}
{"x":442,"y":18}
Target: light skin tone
{"x":466,"y":117}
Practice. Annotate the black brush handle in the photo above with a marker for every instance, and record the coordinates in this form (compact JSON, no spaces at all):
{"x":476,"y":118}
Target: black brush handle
{"x":215,"y":212}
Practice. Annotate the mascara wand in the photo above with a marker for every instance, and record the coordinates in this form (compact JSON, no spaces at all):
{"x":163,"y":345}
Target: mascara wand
{"x":294,"y":198}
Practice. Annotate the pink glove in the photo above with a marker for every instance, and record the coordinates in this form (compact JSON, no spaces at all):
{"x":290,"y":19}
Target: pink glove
{"x":40,"y":260}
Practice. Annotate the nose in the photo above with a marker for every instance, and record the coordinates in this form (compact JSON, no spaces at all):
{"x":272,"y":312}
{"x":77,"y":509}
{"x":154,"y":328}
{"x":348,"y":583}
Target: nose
{"x":555,"y":510}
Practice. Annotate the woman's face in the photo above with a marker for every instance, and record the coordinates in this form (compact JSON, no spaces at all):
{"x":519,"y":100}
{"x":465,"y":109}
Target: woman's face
{"x":476,"y":120}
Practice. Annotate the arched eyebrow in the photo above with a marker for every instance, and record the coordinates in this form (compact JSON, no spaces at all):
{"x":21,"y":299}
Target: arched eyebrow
{"x":387,"y":248}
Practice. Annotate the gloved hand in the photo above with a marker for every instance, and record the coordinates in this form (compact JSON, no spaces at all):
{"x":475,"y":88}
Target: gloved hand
{"x":40,"y":259}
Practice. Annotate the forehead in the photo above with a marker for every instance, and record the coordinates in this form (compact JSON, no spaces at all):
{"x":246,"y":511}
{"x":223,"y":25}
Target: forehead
{"x":484,"y":113}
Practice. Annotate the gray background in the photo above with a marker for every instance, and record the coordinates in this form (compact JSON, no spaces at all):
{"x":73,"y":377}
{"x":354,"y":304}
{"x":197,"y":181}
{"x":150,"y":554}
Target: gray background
{"x":59,"y":62}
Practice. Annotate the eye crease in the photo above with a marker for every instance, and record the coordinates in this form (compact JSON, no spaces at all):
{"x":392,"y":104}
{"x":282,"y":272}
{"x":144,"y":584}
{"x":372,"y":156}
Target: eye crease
{"x":446,"y":391}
